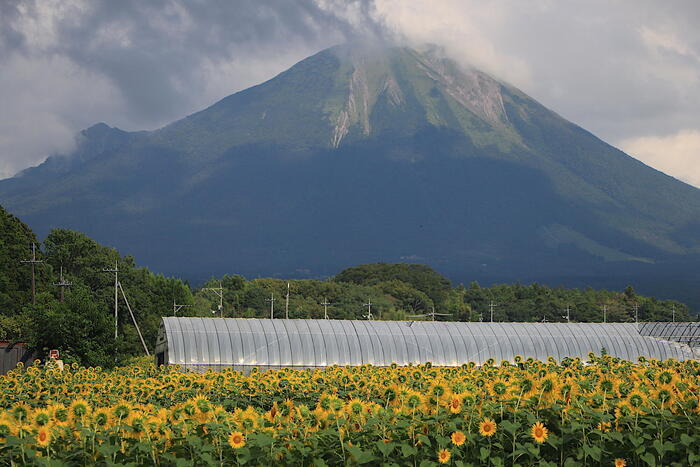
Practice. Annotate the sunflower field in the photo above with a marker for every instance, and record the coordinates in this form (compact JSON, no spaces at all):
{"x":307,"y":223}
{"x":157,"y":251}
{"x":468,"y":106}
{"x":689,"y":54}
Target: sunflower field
{"x":601,"y":412}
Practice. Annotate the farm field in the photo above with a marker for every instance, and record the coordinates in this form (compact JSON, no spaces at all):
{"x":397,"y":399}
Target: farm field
{"x":601,"y":412}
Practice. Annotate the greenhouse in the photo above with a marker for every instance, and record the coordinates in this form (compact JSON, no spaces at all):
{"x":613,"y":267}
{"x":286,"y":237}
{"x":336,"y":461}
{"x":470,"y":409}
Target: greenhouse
{"x":686,"y":333}
{"x":201,"y":344}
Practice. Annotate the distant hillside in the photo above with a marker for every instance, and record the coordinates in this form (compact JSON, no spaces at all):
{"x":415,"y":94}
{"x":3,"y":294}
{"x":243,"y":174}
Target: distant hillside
{"x":78,"y":319}
{"x":358,"y":155}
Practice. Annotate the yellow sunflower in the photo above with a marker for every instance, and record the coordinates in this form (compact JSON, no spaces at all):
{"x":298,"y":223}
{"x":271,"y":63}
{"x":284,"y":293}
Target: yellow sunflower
{"x":539,"y":432}
{"x":41,"y":417}
{"x":604,"y":426}
{"x":43,"y":436}
{"x":620,"y":462}
{"x":236,"y":440}
{"x":455,"y":403}
{"x":444,"y":456}
{"x":487,"y":427}
{"x":458,"y":438}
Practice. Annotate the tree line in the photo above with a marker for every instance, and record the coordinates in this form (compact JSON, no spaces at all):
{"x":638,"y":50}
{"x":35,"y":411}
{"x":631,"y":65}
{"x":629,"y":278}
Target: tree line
{"x":80,"y":322}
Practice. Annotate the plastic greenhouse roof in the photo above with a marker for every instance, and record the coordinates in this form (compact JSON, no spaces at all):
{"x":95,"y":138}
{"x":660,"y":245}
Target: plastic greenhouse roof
{"x":242,"y":343}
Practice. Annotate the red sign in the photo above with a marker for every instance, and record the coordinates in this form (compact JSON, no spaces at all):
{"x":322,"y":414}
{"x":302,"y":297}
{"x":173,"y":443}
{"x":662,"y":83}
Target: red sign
{"x":53,"y":354}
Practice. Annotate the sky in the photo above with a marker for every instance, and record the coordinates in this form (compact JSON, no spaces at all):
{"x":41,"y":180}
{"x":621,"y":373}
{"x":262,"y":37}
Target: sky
{"x":626,"y":70}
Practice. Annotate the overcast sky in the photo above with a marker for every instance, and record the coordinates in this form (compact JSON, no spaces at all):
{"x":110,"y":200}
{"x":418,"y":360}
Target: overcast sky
{"x":626,"y":70}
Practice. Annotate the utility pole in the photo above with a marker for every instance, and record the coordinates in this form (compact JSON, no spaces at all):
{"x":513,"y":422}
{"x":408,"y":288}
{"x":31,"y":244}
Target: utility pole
{"x":33,"y":261}
{"x":674,"y":312}
{"x":605,"y":313}
{"x":286,"y":304}
{"x":219,"y":291}
{"x":117,"y":288}
{"x":116,"y":295}
{"x":62,"y":283}
{"x":177,"y":307}
{"x":491,"y":307}
{"x":133,"y":318}
{"x":369,"y":309}
{"x":272,"y":305}
{"x":325,"y":307}
{"x":636,"y":313}
{"x":568,"y":314}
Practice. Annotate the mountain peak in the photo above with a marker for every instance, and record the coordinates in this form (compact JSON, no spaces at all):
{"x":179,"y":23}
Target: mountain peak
{"x":357,"y":91}
{"x":401,"y":76}
{"x":360,"y":154}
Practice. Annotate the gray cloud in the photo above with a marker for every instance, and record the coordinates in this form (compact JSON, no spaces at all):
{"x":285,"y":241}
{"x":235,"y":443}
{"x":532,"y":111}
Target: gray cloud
{"x":624,"y":70}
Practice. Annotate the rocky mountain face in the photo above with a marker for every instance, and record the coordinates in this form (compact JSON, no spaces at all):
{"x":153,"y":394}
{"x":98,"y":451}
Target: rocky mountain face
{"x":360,"y":154}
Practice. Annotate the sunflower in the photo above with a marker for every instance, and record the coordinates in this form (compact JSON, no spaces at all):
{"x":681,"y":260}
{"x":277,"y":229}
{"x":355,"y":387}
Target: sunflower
{"x":458,"y":438}
{"x":78,"y":409}
{"x":201,"y":404}
{"x":604,"y":426}
{"x":620,"y":462}
{"x":236,"y":440}
{"x":101,"y":418}
{"x":487,"y":427}
{"x":444,"y":456}
{"x":59,"y":412}
{"x":497,"y":388}
{"x":5,"y":428}
{"x":636,"y":399}
{"x":41,"y":417}
{"x":664,"y":394}
{"x":455,"y":403}
{"x":21,"y":411}
{"x":354,"y":407}
{"x":539,"y":432}
{"x":43,"y":436}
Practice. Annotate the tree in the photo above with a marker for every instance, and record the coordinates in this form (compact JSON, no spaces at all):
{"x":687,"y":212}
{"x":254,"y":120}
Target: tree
{"x":78,"y":327}
{"x":16,"y":239}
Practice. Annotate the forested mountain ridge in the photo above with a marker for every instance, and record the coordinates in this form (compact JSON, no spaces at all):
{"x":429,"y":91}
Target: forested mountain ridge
{"x":82,"y":325}
{"x":358,"y":155}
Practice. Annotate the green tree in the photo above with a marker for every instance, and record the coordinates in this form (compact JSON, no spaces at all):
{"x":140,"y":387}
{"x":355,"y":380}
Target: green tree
{"x":79,"y":327}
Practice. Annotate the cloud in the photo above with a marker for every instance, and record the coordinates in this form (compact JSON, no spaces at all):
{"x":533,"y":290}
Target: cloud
{"x":140,"y":65}
{"x":623,"y":70}
{"x":677,"y":154}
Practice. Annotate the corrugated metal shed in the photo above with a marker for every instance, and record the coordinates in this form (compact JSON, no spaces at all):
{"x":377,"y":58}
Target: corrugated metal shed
{"x":11,"y":353}
{"x":216,"y":343}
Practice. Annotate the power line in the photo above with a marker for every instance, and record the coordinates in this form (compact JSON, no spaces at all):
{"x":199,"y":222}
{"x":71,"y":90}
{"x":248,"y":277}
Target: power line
{"x":33,"y":261}
{"x":431,"y":314}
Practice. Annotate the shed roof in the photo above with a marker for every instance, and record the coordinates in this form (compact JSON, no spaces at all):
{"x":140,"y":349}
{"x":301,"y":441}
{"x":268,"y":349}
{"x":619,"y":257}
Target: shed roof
{"x":242,"y":343}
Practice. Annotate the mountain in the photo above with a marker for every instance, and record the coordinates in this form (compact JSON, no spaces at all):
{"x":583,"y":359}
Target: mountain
{"x":360,"y":154}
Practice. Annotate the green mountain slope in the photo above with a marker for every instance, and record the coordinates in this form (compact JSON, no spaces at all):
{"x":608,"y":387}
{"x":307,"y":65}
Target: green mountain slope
{"x":361,"y":154}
